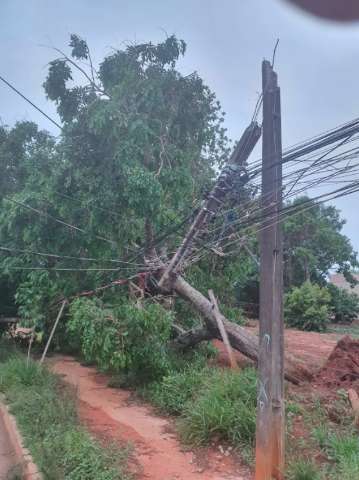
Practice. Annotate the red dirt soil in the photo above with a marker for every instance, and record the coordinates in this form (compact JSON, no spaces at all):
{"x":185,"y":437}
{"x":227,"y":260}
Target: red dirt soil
{"x":7,"y":454}
{"x":341,"y":370}
{"x":158,"y":455}
{"x":310,"y":347}
{"x":111,"y":415}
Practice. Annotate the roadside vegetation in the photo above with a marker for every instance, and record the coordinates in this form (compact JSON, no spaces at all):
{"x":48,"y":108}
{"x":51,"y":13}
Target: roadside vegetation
{"x":45,"y":412}
{"x":211,"y":404}
{"x":328,"y":448}
{"x":83,"y":215}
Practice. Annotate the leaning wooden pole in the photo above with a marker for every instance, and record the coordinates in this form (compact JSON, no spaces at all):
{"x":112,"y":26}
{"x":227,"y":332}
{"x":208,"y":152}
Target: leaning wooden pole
{"x":212,"y":204}
{"x":270,"y":404}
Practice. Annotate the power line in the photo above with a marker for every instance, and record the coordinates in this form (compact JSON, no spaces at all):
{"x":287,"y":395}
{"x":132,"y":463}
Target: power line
{"x":57,"y":220}
{"x":63,"y":269}
{"x":30,"y":102}
{"x":67,"y":257}
{"x":285,"y":212}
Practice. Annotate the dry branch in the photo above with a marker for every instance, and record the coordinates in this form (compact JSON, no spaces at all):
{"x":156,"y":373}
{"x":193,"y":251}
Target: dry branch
{"x":222,"y":330}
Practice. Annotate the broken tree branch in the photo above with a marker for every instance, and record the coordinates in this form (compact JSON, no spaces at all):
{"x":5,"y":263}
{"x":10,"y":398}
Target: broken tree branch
{"x":240,"y":339}
{"x":222,"y":330}
{"x":53,"y":331}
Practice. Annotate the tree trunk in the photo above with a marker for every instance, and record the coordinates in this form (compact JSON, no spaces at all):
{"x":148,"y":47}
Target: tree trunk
{"x":240,"y":339}
{"x":191,"y":338}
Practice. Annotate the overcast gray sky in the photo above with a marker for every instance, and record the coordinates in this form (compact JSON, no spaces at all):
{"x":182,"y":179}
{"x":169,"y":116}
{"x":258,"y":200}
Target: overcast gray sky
{"x":317,"y":61}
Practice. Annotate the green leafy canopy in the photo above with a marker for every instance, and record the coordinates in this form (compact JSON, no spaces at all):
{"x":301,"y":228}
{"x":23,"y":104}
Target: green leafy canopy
{"x":140,"y":143}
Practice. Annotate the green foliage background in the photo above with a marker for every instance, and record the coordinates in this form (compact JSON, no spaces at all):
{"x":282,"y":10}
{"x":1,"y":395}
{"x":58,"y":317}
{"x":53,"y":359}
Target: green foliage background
{"x":141,"y":144}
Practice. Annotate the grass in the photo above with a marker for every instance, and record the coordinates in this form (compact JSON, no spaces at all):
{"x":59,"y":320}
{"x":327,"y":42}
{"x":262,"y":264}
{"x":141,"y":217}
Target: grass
{"x":45,"y":412}
{"x":304,"y":470}
{"x":175,"y":390}
{"x":343,"y":449}
{"x":335,"y":444}
{"x":211,"y":403}
{"x":225,"y":409}
{"x":352,"y":329}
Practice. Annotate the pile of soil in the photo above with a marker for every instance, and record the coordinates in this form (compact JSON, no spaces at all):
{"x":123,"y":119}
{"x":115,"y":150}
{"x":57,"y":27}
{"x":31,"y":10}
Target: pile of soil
{"x":341,"y":370}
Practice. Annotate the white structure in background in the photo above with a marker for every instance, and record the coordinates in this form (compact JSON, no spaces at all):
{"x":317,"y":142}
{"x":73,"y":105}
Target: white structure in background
{"x":339,"y":281}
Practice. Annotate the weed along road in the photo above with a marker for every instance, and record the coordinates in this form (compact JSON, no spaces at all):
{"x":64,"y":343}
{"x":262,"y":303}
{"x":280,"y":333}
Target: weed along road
{"x":110,"y":414}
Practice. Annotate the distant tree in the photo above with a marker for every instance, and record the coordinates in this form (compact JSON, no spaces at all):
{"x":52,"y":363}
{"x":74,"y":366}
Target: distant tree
{"x":344,"y":304}
{"x":314,"y":244}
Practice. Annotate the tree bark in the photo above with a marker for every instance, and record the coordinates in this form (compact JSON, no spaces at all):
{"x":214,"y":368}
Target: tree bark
{"x":191,"y":338}
{"x":240,"y":339}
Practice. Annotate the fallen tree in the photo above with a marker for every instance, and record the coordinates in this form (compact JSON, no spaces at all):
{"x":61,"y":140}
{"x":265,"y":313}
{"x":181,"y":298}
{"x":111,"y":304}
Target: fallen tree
{"x":239,"y":337}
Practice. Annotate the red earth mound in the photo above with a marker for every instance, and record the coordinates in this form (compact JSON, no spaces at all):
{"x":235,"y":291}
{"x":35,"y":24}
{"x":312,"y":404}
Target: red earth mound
{"x":341,"y":370}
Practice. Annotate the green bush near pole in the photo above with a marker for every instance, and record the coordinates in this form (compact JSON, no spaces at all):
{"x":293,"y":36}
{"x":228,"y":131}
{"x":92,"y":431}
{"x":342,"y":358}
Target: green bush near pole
{"x":307,"y":307}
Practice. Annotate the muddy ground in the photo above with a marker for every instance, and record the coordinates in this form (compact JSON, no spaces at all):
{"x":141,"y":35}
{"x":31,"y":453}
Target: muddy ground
{"x":113,"y":415}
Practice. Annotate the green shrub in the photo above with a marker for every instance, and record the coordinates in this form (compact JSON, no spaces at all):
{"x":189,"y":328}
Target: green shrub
{"x":33,"y":297}
{"x":307,"y":307}
{"x":128,"y":339}
{"x":233,"y":314}
{"x":344,"y":304}
{"x":224,"y":408}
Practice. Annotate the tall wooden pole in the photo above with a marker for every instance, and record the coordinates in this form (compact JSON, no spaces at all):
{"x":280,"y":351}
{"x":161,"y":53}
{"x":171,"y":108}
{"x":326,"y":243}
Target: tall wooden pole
{"x":270,"y":405}
{"x":278,"y":321}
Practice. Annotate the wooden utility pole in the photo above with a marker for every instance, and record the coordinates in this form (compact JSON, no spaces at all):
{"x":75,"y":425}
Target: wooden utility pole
{"x":270,"y":405}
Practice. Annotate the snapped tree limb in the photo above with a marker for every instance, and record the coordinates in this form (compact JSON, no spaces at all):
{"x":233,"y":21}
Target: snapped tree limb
{"x":239,"y":337}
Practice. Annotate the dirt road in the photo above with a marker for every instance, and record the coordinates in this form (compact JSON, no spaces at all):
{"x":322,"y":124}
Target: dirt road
{"x":7,"y":455}
{"x":158,"y":455}
{"x":109,"y":413}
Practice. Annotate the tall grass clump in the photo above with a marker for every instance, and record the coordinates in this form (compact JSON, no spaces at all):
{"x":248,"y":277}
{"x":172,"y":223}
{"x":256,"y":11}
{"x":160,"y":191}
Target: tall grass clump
{"x":176,"y":389}
{"x":344,"y":450}
{"x":224,"y":409}
{"x":304,"y":470}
